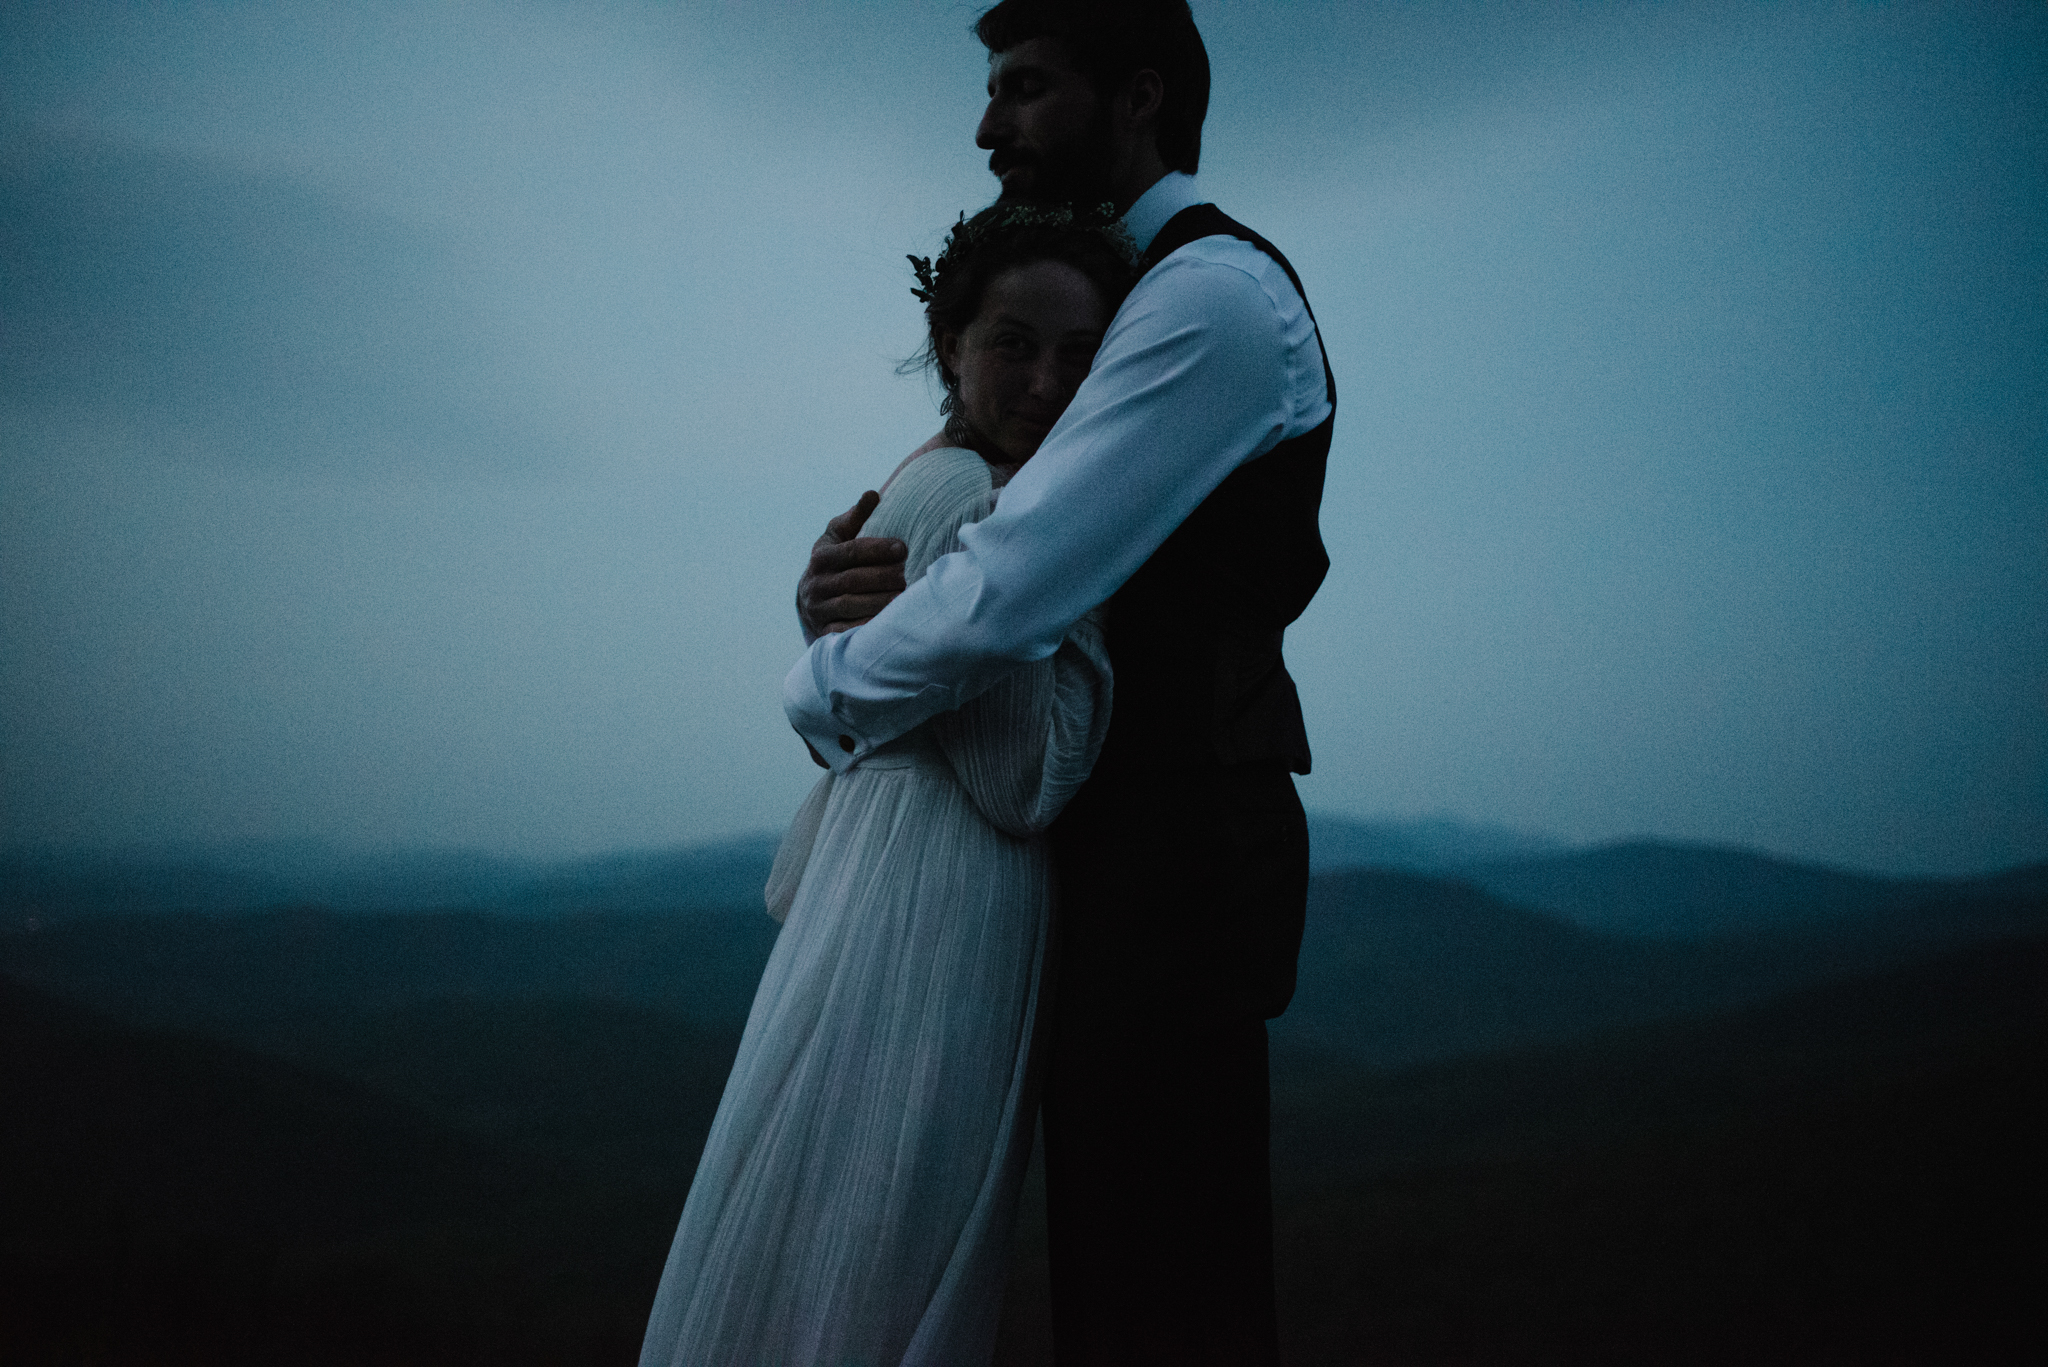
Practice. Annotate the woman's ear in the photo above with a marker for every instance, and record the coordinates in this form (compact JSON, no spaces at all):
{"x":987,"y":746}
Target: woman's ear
{"x":949,"y":351}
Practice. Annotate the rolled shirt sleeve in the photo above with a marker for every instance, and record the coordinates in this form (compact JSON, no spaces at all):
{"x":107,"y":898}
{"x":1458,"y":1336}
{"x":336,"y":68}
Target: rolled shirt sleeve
{"x":1206,"y":365}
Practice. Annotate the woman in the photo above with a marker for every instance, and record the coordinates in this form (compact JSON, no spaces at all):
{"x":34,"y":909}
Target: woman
{"x":854,"y":1201}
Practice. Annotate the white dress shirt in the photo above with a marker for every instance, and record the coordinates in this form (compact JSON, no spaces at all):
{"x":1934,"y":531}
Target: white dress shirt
{"x":1212,"y":361}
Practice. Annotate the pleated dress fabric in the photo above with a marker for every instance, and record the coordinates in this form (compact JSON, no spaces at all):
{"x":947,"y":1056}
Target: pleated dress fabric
{"x":854,"y":1203}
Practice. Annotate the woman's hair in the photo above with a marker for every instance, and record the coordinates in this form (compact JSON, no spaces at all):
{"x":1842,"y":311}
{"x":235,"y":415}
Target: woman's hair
{"x":1001,"y":238}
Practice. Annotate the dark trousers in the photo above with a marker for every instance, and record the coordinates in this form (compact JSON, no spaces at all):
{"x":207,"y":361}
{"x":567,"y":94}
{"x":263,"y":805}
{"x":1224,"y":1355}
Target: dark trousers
{"x":1179,"y":921}
{"x":1159,"y":1203}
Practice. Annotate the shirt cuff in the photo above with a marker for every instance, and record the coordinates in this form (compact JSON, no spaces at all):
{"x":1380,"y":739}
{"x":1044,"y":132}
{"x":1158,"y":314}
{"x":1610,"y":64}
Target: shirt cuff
{"x":811,"y":715}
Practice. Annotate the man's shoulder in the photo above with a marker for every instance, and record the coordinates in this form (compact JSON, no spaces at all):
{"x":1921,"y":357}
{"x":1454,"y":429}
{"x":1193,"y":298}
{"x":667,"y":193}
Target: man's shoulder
{"x":1220,"y":268}
{"x":1228,"y":275}
{"x":1223,"y":249}
{"x":1207,"y":223}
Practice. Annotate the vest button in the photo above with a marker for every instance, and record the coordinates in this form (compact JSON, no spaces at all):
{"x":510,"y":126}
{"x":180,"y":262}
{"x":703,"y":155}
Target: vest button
{"x":846,"y":744}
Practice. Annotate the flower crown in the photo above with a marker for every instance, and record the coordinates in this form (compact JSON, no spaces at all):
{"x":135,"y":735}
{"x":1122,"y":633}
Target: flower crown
{"x":965,"y":235}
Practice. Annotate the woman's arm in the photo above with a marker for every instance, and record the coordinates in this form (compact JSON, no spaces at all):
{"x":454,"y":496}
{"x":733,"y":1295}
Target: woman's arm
{"x":1025,"y":746}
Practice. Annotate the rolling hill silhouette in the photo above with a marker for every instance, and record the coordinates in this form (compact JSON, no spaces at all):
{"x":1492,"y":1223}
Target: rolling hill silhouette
{"x":263,"y":976}
{"x":1844,"y":1174}
{"x":1433,"y":845}
{"x":1500,"y":1136}
{"x":1643,"y":888}
{"x":1828,"y":1176}
{"x":1396,"y":967}
{"x":57,"y":884}
{"x":175,"y":1200}
{"x":1654,"y":888}
{"x":1399,"y":968}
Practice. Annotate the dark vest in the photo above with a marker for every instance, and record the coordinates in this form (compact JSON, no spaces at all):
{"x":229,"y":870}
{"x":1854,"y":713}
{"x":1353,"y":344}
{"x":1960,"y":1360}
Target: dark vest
{"x":1194,"y":635}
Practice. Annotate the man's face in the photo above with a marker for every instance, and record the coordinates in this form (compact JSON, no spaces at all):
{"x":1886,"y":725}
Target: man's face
{"x":1047,"y":133}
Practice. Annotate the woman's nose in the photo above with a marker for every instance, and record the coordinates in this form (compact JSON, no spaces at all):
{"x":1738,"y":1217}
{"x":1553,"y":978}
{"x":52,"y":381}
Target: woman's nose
{"x":1048,"y":378}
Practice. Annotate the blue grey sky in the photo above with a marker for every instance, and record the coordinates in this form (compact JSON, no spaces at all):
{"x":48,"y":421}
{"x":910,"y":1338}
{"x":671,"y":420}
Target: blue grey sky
{"x":413,"y":417}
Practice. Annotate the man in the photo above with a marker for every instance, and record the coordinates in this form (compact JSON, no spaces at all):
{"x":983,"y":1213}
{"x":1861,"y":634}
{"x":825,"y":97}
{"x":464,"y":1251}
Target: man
{"x":1181,"y":487}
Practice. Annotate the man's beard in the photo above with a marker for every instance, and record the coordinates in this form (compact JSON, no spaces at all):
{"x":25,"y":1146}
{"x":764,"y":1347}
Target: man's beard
{"x":1076,"y":172}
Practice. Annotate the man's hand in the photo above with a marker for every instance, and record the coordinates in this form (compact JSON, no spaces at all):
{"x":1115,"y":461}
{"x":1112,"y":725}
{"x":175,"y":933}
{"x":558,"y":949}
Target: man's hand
{"x":851,"y":577}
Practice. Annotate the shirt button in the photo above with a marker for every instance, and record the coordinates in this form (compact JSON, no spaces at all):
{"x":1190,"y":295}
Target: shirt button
{"x":846,"y":744}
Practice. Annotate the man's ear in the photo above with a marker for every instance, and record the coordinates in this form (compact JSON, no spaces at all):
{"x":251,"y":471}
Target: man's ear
{"x":1143,"y":97}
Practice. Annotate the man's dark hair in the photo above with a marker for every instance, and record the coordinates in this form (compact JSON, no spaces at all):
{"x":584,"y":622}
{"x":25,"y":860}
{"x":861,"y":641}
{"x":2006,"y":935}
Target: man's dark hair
{"x":1111,"y":40}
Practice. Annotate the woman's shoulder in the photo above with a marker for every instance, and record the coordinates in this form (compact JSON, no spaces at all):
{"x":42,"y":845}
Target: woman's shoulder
{"x":934,"y":486}
{"x":933,"y":443}
{"x":942,"y":467}
{"x":929,"y":500}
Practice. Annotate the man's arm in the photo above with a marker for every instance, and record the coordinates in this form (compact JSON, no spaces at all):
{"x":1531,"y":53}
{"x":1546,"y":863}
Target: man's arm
{"x":1191,"y":381}
{"x":851,"y":577}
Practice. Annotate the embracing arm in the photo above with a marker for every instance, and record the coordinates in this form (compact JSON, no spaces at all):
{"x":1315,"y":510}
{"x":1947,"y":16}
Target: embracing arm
{"x":851,"y":577}
{"x":1027,"y":744}
{"x":1189,"y":383}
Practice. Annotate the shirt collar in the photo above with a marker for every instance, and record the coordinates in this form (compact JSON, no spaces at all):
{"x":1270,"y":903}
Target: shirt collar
{"x":1170,"y":194}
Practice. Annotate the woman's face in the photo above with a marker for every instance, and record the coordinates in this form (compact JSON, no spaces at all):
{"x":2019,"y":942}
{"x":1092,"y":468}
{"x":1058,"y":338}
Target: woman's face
{"x":1024,"y":355}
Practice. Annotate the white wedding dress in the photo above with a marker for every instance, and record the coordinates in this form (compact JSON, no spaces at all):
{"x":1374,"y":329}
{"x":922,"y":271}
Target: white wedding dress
{"x":854,"y":1202}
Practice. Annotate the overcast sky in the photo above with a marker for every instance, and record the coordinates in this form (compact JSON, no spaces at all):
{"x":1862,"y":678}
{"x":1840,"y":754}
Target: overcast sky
{"x":413,"y":417}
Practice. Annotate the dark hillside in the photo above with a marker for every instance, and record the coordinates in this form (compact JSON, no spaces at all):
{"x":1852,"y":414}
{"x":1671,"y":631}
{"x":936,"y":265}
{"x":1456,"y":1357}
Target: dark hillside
{"x":729,"y":874}
{"x":624,"y":1090}
{"x":1834,"y":1176}
{"x":170,"y":1200}
{"x":456,"y":1137}
{"x":1844,"y":1175}
{"x":1400,"y":968}
{"x":273,"y":977}
{"x":1396,"y":968}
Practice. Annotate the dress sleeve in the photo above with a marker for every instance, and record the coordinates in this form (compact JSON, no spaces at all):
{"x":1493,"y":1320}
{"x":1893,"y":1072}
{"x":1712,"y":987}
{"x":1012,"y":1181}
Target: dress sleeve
{"x":1023,"y":747}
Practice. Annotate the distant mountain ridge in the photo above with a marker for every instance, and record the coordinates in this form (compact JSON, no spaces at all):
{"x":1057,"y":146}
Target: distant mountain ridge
{"x":60,"y":884}
{"x":1396,"y":967}
{"x":1654,"y":889}
{"x":1679,"y":891}
{"x":1426,"y":845}
{"x":1644,"y":889}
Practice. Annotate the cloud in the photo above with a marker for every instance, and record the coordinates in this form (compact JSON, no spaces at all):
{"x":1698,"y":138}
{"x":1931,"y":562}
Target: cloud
{"x":414,"y":417}
{"x":283,"y":323}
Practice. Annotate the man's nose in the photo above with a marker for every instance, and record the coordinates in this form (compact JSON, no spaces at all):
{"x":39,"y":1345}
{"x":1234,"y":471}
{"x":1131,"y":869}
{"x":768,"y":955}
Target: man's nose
{"x":990,"y":131}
